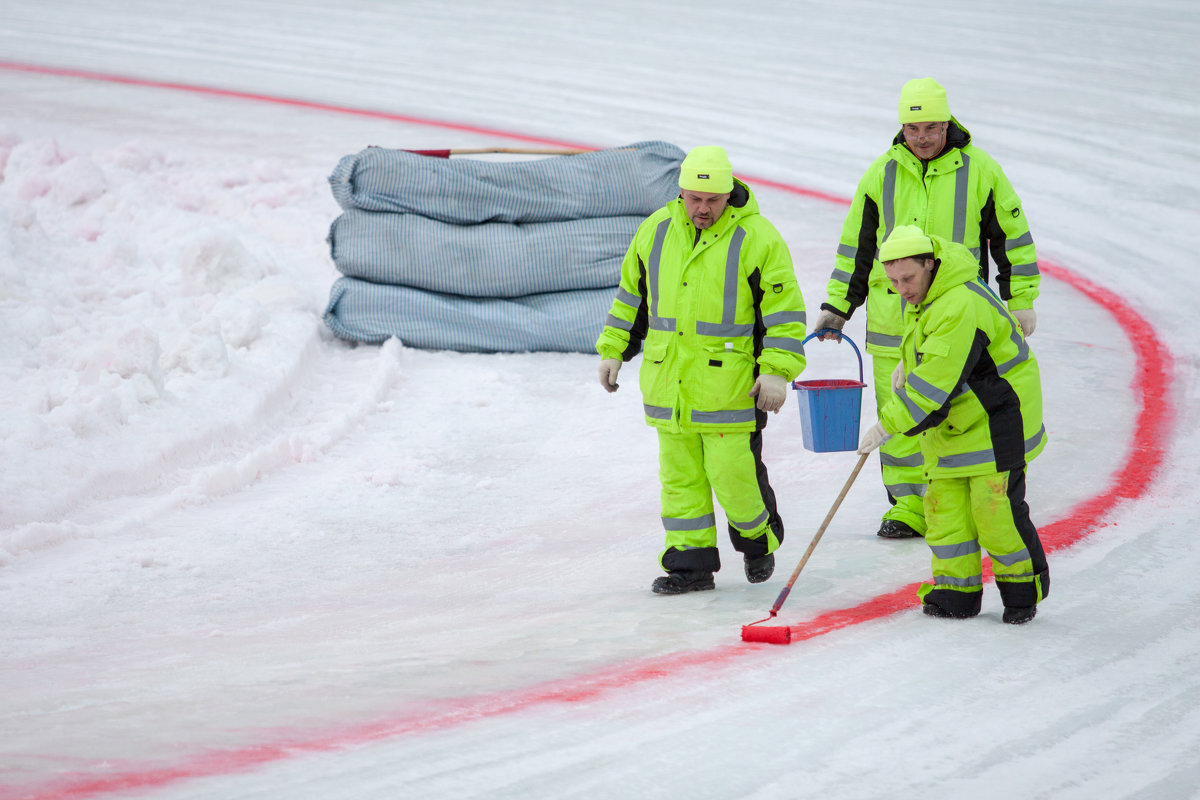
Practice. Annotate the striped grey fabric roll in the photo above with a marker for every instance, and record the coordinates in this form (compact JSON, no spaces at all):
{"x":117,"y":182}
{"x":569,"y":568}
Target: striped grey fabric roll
{"x":492,"y":259}
{"x":632,"y":181}
{"x":567,"y":322}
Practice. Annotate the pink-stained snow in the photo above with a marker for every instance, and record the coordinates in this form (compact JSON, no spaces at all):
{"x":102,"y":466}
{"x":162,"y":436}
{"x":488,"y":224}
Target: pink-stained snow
{"x":240,"y":558}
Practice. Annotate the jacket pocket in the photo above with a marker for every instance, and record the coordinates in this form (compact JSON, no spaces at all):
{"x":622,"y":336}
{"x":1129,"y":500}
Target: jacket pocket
{"x":724,"y":377}
{"x":655,"y":372}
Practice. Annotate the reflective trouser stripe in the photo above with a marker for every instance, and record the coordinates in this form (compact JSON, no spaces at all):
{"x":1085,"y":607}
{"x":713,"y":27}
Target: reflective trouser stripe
{"x":902,"y":465}
{"x":694,"y":466}
{"x":966,"y":516}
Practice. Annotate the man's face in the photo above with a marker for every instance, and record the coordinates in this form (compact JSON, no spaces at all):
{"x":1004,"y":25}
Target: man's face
{"x":704,"y":208}
{"x":925,"y":139}
{"x":910,"y":277}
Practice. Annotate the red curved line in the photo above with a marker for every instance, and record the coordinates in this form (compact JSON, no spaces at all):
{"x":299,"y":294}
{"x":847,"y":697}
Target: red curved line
{"x":1145,"y":456}
{"x":284,"y":101}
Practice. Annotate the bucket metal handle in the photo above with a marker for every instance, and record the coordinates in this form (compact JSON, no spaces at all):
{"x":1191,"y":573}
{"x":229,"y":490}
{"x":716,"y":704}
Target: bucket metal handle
{"x":840,"y":337}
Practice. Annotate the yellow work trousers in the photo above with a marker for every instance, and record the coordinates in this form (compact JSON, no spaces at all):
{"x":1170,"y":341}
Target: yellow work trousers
{"x":975,"y":513}
{"x":694,"y":466}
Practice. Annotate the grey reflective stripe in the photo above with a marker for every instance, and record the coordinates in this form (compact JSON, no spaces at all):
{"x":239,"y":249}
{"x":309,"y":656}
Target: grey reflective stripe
{"x":1014,"y":334}
{"x":617,"y":322}
{"x":947,"y":551}
{"x":972,"y":459}
{"x":752,"y":524}
{"x":848,"y":250}
{"x":657,"y":412}
{"x":1014,"y":577}
{"x":733,"y":260}
{"x":723,"y":417}
{"x":660,"y":235}
{"x":780,"y":343}
{"x":961,"y":183}
{"x":915,"y":411}
{"x":976,"y":251}
{"x":694,"y":524}
{"x":926,"y":388}
{"x":662,"y":323}
{"x":784,"y":317}
{"x":1022,"y":355}
{"x":724,"y":331}
{"x":883,"y":340}
{"x":889,"y":197}
{"x":1020,"y":241}
{"x":628,"y":298}
{"x":840,"y":275}
{"x":905,"y":489}
{"x":915,"y":460}
{"x":949,"y":580}
{"x":1010,"y":559}
{"x":1026,"y":270}
{"x":1033,"y":441}
{"x":978,"y":457}
{"x":727,"y":327}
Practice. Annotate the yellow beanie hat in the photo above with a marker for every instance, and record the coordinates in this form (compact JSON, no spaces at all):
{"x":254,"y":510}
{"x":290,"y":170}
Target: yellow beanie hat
{"x":923,"y":100}
{"x":706,"y":169}
{"x":904,"y":242}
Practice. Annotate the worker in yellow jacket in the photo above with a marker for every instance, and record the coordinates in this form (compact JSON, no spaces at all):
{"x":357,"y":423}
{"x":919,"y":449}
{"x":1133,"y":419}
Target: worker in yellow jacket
{"x":709,"y":296}
{"x":968,"y":391}
{"x":935,"y":178}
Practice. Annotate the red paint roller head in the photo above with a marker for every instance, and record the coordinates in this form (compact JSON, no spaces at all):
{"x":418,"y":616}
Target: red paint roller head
{"x":771,"y":634}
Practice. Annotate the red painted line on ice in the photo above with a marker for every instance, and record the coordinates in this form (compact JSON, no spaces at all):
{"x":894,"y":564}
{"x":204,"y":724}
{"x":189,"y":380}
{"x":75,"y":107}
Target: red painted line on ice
{"x":1144,"y":457}
{"x":282,"y":101}
{"x":1150,"y":387}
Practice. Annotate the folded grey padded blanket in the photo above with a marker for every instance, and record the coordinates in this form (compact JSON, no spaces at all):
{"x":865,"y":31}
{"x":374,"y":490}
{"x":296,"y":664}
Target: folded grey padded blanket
{"x":567,"y":322}
{"x":630,"y":181}
{"x":488,"y":256}
{"x":491,"y":259}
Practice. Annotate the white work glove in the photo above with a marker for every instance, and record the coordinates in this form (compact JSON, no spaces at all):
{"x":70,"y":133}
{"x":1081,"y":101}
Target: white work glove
{"x":1027,"y":319}
{"x":828,"y":319}
{"x":899,"y":377}
{"x":609,"y":368}
{"x":872,"y":439}
{"x":771,"y":391}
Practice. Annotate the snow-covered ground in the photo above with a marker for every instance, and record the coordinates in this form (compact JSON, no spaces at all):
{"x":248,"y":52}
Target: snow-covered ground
{"x":240,"y":558}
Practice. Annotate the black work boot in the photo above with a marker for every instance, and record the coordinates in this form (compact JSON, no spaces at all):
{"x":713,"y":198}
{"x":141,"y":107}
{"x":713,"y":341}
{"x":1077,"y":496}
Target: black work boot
{"x":1019,"y":616}
{"x":934,"y":610}
{"x":895,"y":529}
{"x":759,"y":569}
{"x":683,"y":582}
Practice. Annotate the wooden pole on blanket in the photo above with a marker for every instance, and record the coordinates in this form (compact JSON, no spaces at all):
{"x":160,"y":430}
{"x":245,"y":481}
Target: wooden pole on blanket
{"x":471,"y":151}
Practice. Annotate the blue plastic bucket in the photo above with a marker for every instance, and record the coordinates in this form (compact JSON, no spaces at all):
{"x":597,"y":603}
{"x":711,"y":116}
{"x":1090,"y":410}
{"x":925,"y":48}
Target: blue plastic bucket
{"x":830,"y":408}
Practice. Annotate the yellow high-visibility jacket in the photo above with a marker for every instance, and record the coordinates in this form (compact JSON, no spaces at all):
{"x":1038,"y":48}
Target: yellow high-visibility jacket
{"x":962,"y":196}
{"x":714,"y":309}
{"x":973,"y":390}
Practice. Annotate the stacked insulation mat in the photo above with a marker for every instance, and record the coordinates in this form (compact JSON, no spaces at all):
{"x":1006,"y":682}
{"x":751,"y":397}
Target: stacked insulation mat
{"x":483,"y":255}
